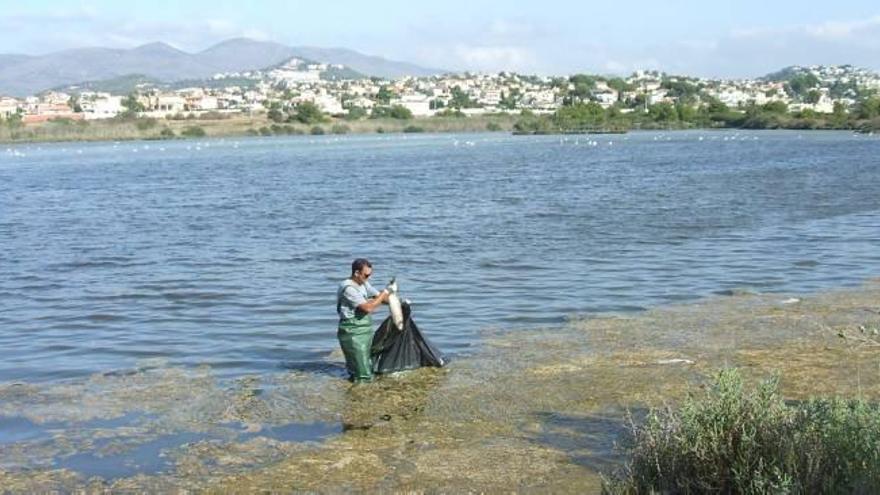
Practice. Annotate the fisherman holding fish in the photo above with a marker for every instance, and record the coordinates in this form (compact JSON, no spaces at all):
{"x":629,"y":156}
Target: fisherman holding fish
{"x":355,"y":300}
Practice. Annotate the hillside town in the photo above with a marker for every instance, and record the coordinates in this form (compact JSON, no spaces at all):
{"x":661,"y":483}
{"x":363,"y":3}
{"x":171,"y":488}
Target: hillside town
{"x":330,"y":88}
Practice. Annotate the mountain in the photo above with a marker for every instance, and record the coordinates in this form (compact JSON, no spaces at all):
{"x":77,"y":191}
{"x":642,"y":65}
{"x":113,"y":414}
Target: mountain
{"x":244,"y":54}
{"x":365,"y":64}
{"x":9,"y":60}
{"x":22,"y":75}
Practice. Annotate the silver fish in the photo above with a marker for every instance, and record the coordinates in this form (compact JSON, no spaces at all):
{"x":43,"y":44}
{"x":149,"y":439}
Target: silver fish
{"x":394,"y":304}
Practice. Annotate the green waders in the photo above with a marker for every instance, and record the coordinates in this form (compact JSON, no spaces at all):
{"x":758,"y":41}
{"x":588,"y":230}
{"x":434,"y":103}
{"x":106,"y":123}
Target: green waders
{"x":356,"y":338}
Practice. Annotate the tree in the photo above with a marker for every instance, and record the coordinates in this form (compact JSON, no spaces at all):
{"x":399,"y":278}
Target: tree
{"x":813,"y":96}
{"x":73,"y":103}
{"x":355,"y":113}
{"x":686,"y":113}
{"x":132,"y":105}
{"x":869,"y":108}
{"x":579,"y":116}
{"x":400,"y":112}
{"x":14,"y":121}
{"x":384,"y":95}
{"x":800,"y":84}
{"x":583,"y":87}
{"x":275,"y":115}
{"x":619,"y":85}
{"x":309,"y":113}
{"x":510,"y":100}
{"x":775,"y":107}
{"x":838,"y":115}
{"x":663,"y":112}
{"x":460,"y":99}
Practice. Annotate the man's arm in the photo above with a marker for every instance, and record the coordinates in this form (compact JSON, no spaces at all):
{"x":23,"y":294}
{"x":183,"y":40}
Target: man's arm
{"x":372,"y":304}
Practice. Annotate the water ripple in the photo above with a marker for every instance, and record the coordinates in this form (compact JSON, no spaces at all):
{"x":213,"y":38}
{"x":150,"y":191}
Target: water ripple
{"x":108,"y":258}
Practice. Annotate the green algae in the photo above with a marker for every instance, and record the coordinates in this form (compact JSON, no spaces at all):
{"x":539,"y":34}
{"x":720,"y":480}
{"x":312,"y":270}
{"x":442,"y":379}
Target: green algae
{"x":531,"y":411}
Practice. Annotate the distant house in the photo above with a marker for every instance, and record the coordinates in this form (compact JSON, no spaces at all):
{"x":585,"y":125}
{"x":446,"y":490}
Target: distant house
{"x":164,"y":104}
{"x":44,"y":112}
{"x":102,"y":107}
{"x":8,"y":106}
{"x":606,"y":97}
{"x":418,"y":104}
{"x":205,"y":103}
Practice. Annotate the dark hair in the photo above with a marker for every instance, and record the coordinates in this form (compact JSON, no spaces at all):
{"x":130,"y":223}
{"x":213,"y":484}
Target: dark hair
{"x":359,"y":263}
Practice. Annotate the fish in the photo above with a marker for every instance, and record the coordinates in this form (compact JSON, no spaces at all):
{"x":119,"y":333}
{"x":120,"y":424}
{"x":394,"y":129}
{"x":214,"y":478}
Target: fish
{"x":394,"y":304}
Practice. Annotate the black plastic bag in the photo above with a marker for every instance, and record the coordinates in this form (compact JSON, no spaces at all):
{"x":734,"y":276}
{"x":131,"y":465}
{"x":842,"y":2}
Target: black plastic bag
{"x":407,"y":349}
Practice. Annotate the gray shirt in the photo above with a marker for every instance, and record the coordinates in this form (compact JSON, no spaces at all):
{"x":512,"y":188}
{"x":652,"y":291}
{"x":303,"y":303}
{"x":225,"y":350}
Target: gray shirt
{"x":351,"y":295}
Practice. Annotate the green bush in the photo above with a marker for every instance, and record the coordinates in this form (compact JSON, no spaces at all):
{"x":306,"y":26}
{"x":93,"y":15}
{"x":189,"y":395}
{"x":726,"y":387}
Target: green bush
{"x":734,"y":440}
{"x":265,"y":131}
{"x":309,"y":113}
{"x":317,"y":130}
{"x":145,"y":123}
{"x":166,"y":134}
{"x":493,"y":127}
{"x":192,"y":131}
{"x":340,"y":129}
{"x":413,"y":128}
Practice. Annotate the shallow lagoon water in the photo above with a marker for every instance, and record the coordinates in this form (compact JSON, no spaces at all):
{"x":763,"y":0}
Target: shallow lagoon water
{"x":226,"y":253}
{"x":170,"y":311}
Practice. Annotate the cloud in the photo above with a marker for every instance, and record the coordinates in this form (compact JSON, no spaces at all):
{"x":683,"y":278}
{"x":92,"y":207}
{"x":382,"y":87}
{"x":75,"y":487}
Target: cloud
{"x":755,"y":51}
{"x":494,"y":57}
{"x":84,"y":26}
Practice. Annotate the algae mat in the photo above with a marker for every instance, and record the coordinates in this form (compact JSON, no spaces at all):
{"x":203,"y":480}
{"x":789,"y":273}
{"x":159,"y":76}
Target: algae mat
{"x":532,"y":411}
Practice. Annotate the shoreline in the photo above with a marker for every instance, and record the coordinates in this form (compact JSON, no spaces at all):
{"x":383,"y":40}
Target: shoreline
{"x":193,"y":129}
{"x":556,"y":397}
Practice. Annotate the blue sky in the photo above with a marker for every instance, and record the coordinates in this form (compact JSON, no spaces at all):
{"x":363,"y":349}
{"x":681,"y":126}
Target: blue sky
{"x":722,"y":39}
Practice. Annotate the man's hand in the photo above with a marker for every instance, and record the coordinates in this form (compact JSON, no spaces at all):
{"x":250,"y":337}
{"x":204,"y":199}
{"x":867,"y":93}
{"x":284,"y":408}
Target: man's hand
{"x":374,"y":302}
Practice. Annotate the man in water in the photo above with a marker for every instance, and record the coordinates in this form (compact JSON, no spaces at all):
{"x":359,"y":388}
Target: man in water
{"x":355,"y":300}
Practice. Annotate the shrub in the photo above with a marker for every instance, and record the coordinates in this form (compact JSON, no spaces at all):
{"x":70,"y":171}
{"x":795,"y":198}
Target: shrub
{"x":734,"y":440}
{"x":493,"y":127}
{"x":413,"y":128}
{"x":265,"y":131}
{"x":317,"y":130}
{"x":61,"y":121}
{"x":145,"y":123}
{"x":355,"y":113}
{"x":451,"y":112}
{"x":166,"y":134}
{"x":340,"y":129}
{"x":309,"y":113}
{"x":214,"y":115}
{"x":192,"y":131}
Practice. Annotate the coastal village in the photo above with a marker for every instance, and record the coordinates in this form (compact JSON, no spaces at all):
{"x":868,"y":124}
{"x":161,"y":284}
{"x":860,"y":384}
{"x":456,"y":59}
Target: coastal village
{"x":821,"y":89}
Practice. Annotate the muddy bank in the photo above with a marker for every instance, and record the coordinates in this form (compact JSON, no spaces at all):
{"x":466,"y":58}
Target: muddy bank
{"x":532,"y":411}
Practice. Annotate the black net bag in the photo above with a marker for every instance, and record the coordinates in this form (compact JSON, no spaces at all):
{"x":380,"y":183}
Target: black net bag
{"x":407,"y":349}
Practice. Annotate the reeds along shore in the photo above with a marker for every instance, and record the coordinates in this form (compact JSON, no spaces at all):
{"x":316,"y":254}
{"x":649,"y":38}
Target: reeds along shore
{"x":155,"y":129}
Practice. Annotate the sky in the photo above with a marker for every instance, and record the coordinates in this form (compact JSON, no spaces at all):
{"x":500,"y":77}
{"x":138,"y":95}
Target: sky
{"x":746,"y":38}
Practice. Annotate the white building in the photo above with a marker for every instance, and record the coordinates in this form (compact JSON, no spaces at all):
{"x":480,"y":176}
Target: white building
{"x":418,"y":104}
{"x":328,"y":104}
{"x":606,"y":98}
{"x":102,"y":107}
{"x":8,"y":106}
{"x":205,"y":103}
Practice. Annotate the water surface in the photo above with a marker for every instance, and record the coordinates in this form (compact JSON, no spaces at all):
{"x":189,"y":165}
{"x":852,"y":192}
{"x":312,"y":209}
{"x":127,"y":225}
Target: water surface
{"x":227,"y":252}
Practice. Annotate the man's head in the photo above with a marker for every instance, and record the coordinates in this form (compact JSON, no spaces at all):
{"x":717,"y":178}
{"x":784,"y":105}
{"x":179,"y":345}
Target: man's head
{"x":361,"y":269}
